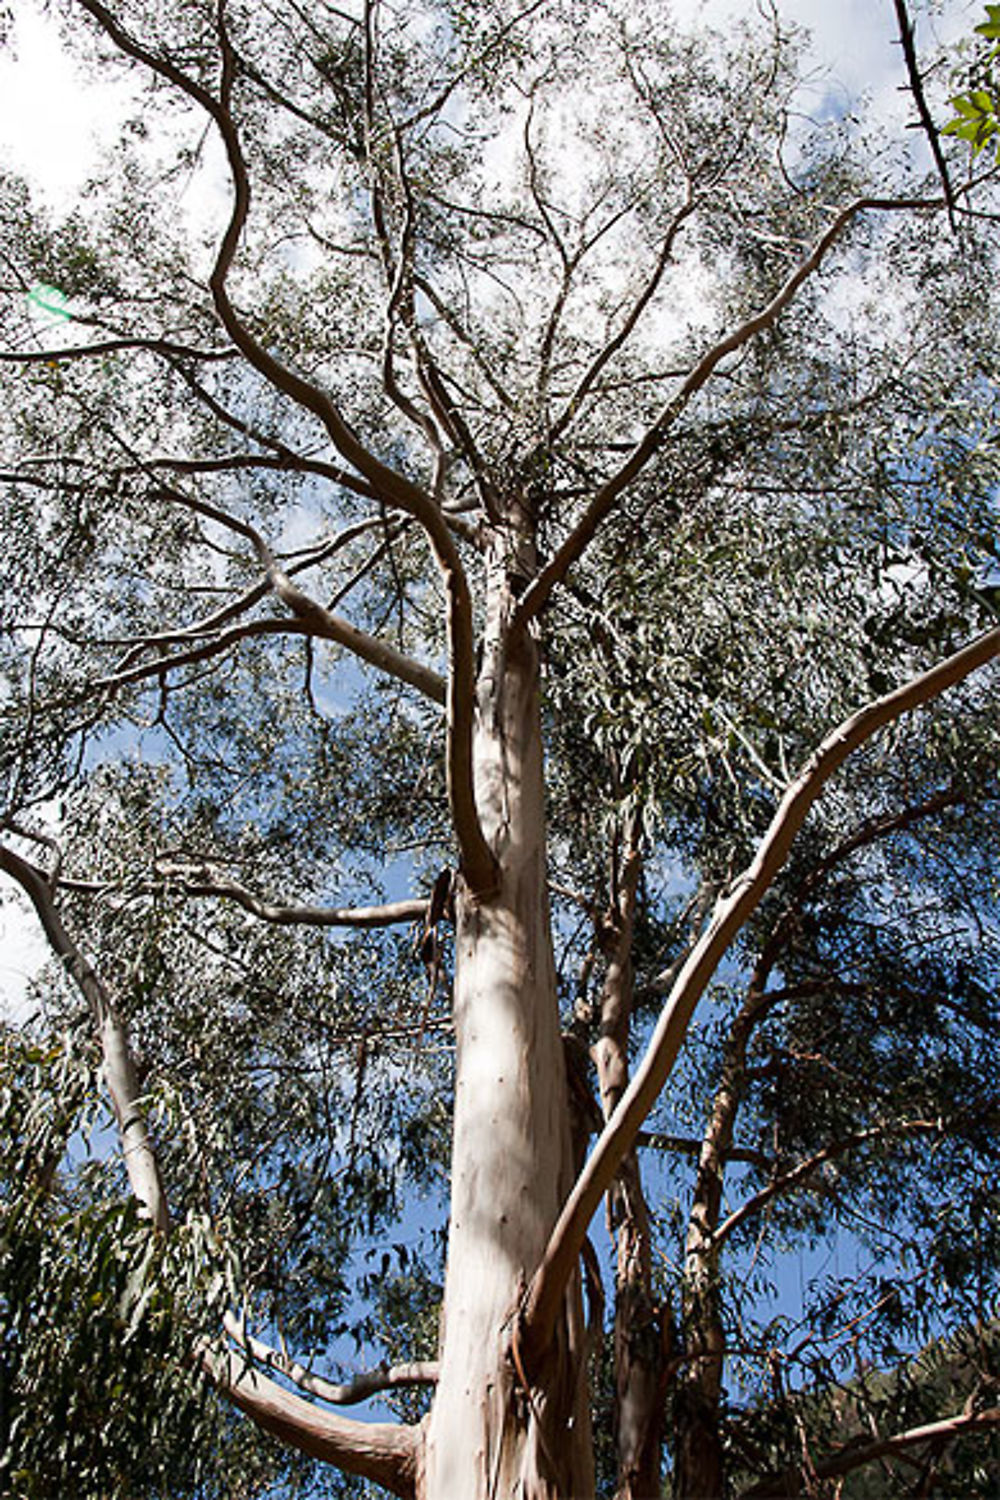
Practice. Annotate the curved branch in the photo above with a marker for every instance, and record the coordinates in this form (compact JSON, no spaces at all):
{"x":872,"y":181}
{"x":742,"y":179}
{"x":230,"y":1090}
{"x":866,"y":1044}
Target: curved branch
{"x":923,"y":109}
{"x":544,"y":1296}
{"x":589,"y":377}
{"x":119,"y":1068}
{"x":804,"y":1169}
{"x":314,"y":621}
{"x":477,"y":860}
{"x":383,"y":1452}
{"x":283,"y":463}
{"x":370,"y":1383}
{"x":114,"y":346}
{"x":209,"y":624}
{"x":789,"y":1482}
{"x":205,"y":882}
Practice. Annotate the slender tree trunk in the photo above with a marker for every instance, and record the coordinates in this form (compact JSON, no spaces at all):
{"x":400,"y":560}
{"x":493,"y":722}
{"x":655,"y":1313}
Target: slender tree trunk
{"x":639,"y":1321}
{"x":699,"y":1471}
{"x":640,"y":1346}
{"x":512,"y":1156}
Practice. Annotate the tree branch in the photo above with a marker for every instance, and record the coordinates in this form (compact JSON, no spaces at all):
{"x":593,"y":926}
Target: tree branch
{"x":544,"y":1296}
{"x":789,"y":1482}
{"x":314,"y":619}
{"x":383,"y":1452}
{"x":205,"y":881}
{"x":804,"y":1169}
{"x":690,"y":1145}
{"x":318,"y":624}
{"x":119,"y":1068}
{"x":477,"y":860}
{"x":923,"y":110}
{"x":370,"y":1383}
{"x":610,"y":349}
{"x":114,"y":346}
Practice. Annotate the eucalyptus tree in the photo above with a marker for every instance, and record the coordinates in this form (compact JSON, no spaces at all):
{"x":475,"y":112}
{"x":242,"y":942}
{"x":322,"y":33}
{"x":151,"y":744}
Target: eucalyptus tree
{"x":446,"y":557}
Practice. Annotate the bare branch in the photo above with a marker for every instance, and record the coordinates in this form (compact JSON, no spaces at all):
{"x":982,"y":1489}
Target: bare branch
{"x":313,"y":621}
{"x":544,"y":1295}
{"x":690,"y":1145}
{"x":803,"y":1170}
{"x":283,"y":463}
{"x":360,"y":1388}
{"x":920,"y":98}
{"x":589,"y":377}
{"x":789,"y":1482}
{"x":204,"y":881}
{"x":383,"y":1452}
{"x":162,"y":347}
{"x":119,"y":1068}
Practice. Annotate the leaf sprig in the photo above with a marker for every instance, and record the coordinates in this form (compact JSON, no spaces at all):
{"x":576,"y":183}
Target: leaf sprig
{"x":978,"y":117}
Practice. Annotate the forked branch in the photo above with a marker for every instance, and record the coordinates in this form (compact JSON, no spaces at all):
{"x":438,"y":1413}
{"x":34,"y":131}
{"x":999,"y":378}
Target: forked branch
{"x":384,"y":1452}
{"x":204,"y":881}
{"x":360,"y":1388}
{"x":394,"y":488}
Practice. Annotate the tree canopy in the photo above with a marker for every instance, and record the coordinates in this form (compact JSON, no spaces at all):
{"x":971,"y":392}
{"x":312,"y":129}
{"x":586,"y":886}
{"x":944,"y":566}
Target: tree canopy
{"x":498,"y":715}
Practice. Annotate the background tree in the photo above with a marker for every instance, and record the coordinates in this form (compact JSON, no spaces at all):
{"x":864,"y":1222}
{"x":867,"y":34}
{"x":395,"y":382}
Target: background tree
{"x":443,"y":589}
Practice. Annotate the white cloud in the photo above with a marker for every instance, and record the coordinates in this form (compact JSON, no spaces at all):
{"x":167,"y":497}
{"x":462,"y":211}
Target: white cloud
{"x":55,"y":116}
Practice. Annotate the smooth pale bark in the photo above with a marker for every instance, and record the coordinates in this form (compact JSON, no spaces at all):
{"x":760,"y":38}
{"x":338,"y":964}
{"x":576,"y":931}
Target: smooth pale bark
{"x":119,"y":1067}
{"x":512,"y":1155}
{"x":382,"y":1451}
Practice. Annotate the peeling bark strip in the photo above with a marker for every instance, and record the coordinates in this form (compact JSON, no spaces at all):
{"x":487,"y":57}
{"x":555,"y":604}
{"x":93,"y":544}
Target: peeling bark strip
{"x":732,"y":910}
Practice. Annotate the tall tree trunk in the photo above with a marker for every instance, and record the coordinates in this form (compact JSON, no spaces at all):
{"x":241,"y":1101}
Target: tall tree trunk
{"x":640,"y":1345}
{"x":511,"y":1156}
{"x":699,"y":1471}
{"x":639,"y":1321}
